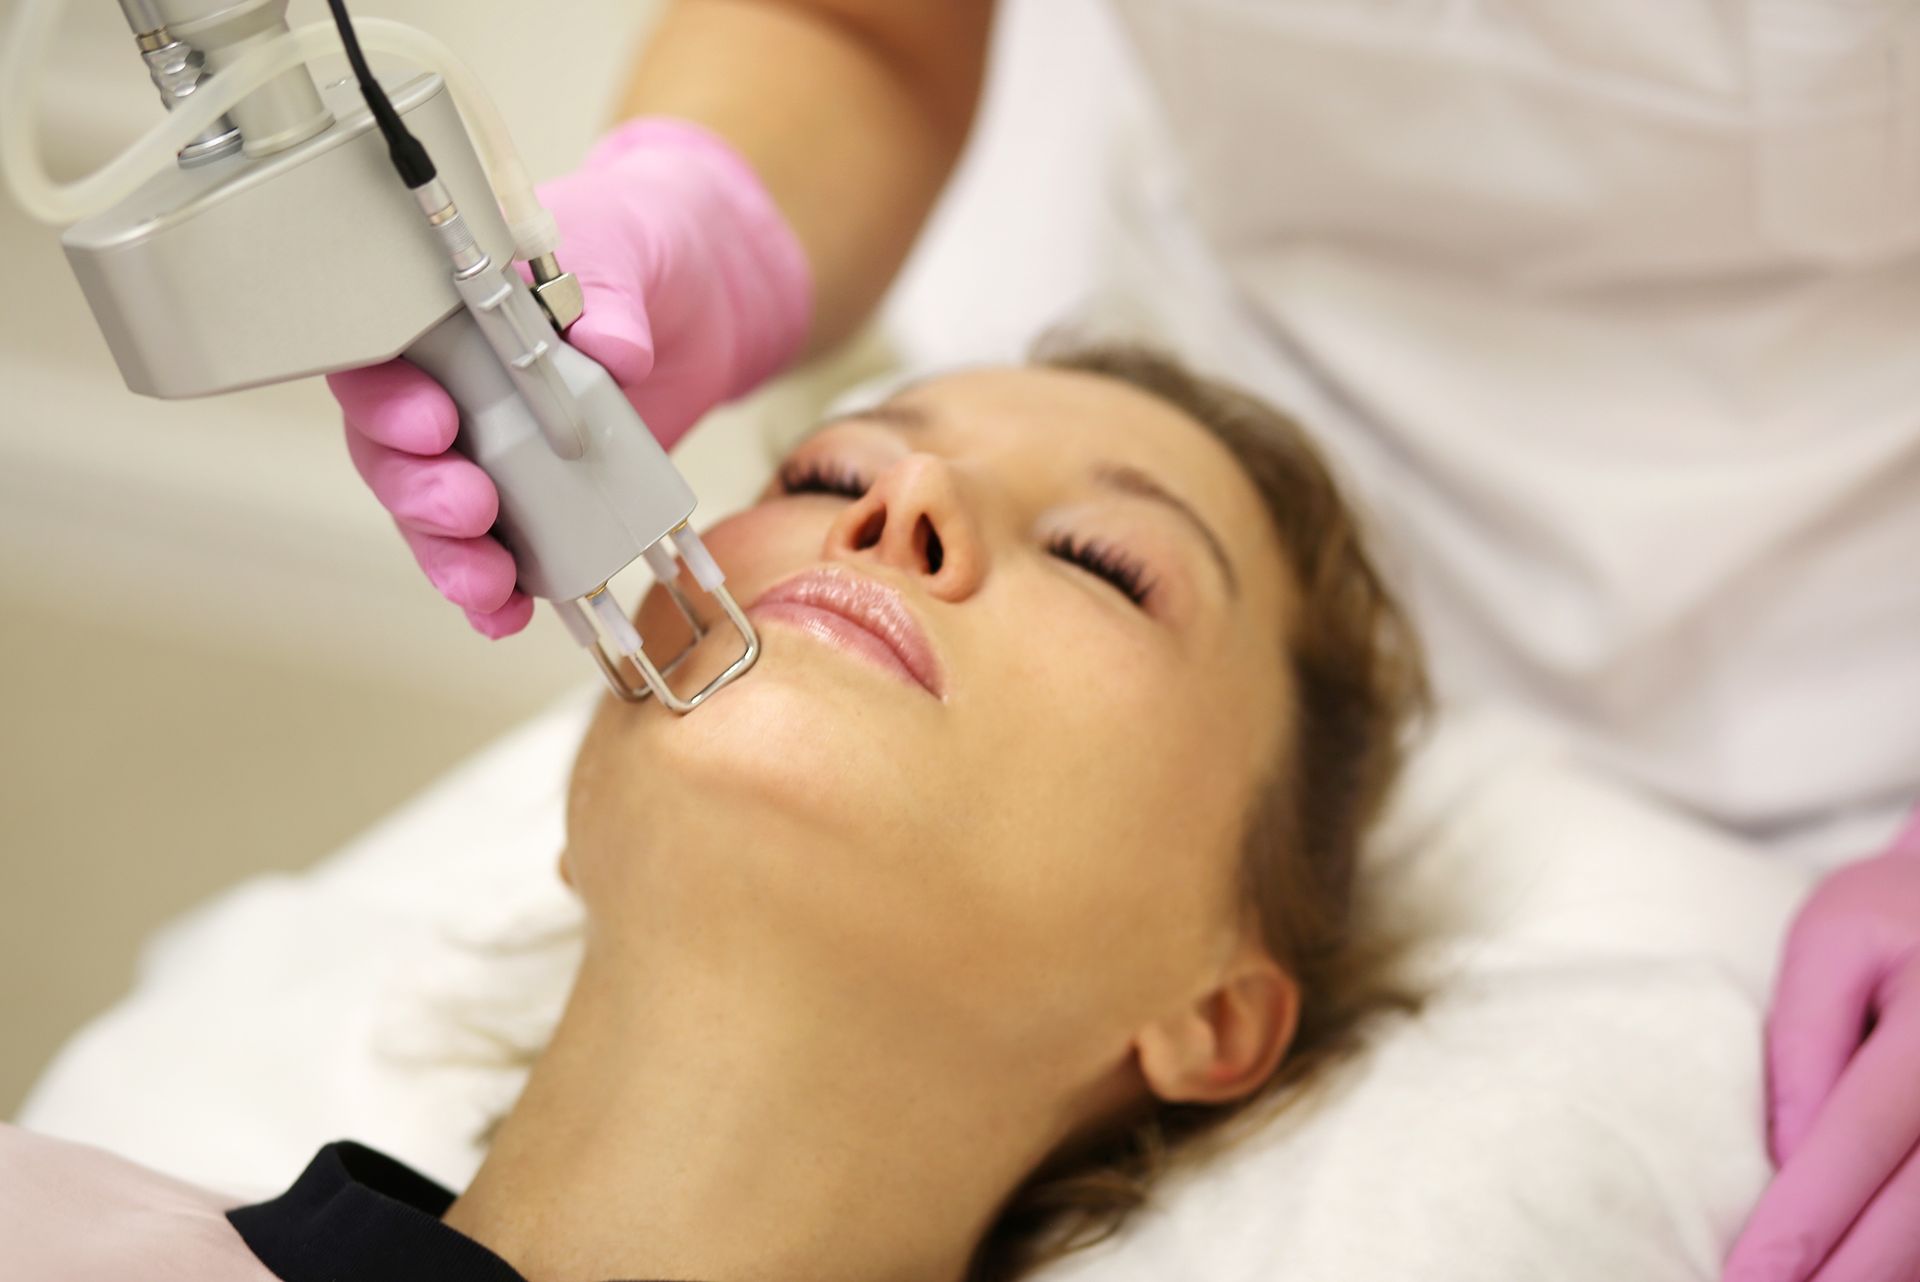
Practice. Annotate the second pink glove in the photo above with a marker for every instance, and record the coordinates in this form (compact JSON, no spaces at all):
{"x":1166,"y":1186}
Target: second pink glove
{"x":695,"y":291}
{"x":1843,"y":1043}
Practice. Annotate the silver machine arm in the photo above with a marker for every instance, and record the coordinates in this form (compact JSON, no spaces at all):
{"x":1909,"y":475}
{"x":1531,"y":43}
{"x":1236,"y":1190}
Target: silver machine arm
{"x":281,"y":244}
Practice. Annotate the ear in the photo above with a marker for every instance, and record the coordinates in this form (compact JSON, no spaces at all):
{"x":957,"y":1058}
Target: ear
{"x":566,"y":875}
{"x":1226,"y":1043}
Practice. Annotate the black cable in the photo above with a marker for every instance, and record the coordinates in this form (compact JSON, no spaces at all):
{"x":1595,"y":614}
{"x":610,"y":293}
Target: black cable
{"x":409,"y":157}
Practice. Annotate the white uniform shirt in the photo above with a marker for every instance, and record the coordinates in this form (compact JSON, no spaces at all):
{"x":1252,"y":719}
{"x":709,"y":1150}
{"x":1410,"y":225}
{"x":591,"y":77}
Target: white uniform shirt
{"x":1611,"y":311}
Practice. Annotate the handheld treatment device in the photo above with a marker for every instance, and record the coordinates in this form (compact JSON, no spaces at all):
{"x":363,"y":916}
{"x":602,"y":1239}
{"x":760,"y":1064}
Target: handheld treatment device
{"x":259,"y":234}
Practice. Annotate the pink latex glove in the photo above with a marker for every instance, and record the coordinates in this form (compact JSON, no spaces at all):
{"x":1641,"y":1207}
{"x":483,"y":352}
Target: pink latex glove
{"x":1843,"y":1055}
{"x":695,"y":290}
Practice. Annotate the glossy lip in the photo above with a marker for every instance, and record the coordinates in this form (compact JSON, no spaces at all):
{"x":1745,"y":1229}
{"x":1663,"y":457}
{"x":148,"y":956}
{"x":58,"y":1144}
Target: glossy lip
{"x":856,"y":612}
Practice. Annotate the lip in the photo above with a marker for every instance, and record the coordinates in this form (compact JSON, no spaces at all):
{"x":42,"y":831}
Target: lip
{"x":860,"y":615}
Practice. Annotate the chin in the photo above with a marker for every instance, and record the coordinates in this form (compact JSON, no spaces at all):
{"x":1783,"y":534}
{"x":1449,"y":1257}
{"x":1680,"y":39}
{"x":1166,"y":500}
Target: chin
{"x":791,"y":805}
{"x":807,"y":734}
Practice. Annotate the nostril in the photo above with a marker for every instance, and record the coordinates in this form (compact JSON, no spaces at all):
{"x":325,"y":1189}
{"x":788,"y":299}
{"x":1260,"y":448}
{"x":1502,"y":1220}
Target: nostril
{"x":929,"y":540}
{"x":870,"y":530}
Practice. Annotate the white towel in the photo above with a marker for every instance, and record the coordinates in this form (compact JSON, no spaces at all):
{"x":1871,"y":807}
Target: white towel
{"x":1580,"y":1100}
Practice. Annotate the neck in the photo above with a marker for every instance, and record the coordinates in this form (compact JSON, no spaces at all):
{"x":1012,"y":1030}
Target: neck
{"x":719,"y":1120}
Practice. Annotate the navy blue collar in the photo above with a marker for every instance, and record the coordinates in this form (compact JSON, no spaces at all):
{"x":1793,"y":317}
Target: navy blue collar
{"x":357,"y":1215}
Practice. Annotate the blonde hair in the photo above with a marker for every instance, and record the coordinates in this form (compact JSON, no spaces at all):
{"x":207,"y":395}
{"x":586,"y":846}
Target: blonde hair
{"x":1358,"y":683}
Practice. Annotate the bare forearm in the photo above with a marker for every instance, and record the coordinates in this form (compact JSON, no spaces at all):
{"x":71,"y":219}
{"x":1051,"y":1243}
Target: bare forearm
{"x":851,"y":111}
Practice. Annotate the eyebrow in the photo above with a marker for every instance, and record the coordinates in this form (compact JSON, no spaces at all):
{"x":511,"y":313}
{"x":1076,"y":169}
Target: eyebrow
{"x":886,"y":414}
{"x":1131,"y":480}
{"x":1119,"y":477}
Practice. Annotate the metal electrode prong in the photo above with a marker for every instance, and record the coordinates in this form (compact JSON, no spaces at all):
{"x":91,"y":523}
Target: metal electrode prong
{"x":613,"y":625}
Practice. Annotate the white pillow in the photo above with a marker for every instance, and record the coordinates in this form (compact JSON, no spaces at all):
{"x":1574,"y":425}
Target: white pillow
{"x":1581,"y":1098}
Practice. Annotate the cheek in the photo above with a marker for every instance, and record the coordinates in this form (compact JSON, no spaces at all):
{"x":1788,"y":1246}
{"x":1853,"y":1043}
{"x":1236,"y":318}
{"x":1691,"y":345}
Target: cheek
{"x":767,"y":535}
{"x":756,"y":548}
{"x":1102,"y":722}
{"x":1115,"y":797}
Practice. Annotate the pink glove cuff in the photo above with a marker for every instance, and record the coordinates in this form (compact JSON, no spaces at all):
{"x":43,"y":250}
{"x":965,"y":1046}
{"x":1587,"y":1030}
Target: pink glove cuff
{"x":763,"y":270}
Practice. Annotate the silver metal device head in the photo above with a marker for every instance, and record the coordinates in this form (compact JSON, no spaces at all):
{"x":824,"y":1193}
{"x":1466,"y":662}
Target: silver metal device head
{"x":615,"y":627}
{"x":654,"y":678}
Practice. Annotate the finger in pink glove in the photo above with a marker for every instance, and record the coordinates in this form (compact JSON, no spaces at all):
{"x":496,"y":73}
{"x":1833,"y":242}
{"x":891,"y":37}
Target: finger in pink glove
{"x":1843,"y":1057}
{"x":400,"y":427}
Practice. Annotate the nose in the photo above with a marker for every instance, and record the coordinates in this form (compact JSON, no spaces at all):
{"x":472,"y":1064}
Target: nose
{"x":914,"y":520}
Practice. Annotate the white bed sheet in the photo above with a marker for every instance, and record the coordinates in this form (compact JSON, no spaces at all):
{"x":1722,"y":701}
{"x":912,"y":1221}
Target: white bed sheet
{"x":1580,"y":1100}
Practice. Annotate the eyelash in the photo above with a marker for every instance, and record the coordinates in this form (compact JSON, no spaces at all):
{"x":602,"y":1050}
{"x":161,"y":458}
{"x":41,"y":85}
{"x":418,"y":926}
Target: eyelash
{"x":816,"y":477}
{"x":1111,"y":564}
{"x":1126,"y":575}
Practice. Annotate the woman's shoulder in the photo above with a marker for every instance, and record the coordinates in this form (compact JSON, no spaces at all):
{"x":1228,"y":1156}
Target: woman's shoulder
{"x":79,"y":1213}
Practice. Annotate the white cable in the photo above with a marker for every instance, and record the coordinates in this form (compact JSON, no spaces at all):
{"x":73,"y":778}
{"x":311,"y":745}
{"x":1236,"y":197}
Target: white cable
{"x":22,"y":67}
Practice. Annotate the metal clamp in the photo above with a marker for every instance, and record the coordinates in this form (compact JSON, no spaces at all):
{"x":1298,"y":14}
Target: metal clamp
{"x":557,"y":290}
{"x":581,"y":614}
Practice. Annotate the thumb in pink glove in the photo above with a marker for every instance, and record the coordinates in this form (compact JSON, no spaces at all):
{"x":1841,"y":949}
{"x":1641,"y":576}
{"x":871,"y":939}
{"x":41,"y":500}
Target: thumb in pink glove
{"x":1843,"y":1055}
{"x":695,"y":290}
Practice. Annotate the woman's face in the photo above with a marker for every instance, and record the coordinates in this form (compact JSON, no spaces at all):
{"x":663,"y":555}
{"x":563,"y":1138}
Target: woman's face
{"x":1019,"y":818}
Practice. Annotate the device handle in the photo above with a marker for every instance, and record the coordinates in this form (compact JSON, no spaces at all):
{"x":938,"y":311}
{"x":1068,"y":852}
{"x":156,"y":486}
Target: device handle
{"x":570,"y":523}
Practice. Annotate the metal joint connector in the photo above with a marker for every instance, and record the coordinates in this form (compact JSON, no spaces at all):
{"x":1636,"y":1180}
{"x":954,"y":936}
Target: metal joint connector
{"x":176,"y":68}
{"x":436,"y":202}
{"x":557,"y":290}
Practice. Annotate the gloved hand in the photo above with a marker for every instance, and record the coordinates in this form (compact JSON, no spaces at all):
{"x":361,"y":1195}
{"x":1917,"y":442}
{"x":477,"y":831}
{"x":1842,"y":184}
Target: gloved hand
{"x":1843,"y":1054}
{"x":695,"y":290}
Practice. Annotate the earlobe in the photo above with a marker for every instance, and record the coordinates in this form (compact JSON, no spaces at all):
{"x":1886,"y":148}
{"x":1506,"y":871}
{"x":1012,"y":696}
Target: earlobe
{"x":1227,"y":1043}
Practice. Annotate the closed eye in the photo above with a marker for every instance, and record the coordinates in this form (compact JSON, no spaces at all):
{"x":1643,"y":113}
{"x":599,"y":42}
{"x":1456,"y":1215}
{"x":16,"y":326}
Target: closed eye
{"x":1111,"y":564}
{"x":1126,"y":575}
{"x":817,"y":476}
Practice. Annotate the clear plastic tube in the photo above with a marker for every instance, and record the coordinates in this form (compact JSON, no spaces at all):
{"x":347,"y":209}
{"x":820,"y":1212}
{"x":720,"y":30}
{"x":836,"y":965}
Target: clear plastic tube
{"x":22,"y":68}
